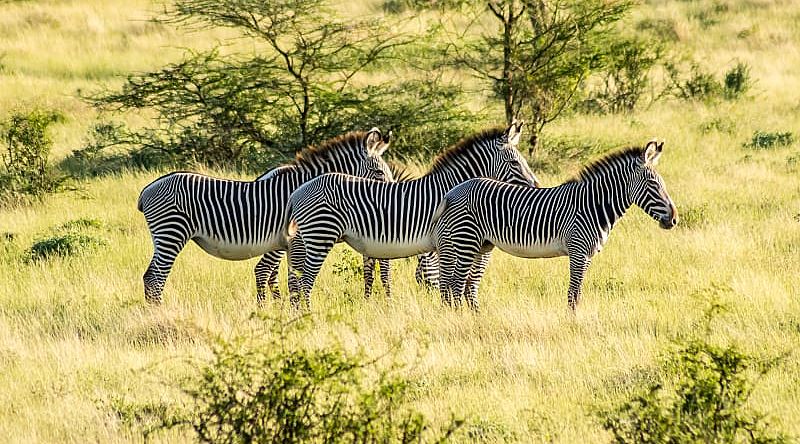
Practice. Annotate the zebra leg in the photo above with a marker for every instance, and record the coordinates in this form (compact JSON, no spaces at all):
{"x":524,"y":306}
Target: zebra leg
{"x":296,"y":255}
{"x":369,"y":276}
{"x":427,"y":272}
{"x":578,"y":264}
{"x":164,"y":254}
{"x":476,"y":273}
{"x":266,"y":272}
{"x":316,"y":247}
{"x":386,"y":277}
{"x":455,"y":263}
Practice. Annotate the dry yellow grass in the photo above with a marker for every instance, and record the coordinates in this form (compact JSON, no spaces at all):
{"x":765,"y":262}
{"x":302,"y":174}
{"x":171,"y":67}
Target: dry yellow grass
{"x":77,"y":341}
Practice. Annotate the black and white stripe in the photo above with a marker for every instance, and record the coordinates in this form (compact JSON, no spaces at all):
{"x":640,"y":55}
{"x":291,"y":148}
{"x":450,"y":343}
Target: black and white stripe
{"x":390,"y":220}
{"x":573,"y":219}
{"x":238,"y":220}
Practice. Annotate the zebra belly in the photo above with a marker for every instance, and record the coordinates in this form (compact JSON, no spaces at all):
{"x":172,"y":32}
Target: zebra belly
{"x":387,"y":250}
{"x":232,"y":251}
{"x":537,"y":250}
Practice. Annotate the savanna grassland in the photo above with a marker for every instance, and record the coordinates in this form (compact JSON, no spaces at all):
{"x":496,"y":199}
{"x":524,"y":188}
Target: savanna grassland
{"x":84,"y":358}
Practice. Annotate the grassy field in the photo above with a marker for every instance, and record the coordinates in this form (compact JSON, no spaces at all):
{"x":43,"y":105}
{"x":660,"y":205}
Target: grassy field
{"x":82,"y":356}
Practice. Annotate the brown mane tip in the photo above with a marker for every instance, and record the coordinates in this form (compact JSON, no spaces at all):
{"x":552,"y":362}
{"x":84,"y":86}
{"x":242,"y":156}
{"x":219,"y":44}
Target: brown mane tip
{"x":339,"y":144}
{"x":602,"y":163}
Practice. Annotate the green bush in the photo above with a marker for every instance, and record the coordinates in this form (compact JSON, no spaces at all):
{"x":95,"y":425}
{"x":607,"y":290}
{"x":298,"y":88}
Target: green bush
{"x":737,"y":81}
{"x":71,"y":238}
{"x":260,"y":388}
{"x":703,"y":400}
{"x":696,"y":84}
{"x":62,"y":245}
{"x":25,"y":171}
{"x":764,"y":140}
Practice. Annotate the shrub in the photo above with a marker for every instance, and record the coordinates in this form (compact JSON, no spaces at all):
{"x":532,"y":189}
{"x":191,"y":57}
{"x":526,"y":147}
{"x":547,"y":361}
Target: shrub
{"x":703,"y":401}
{"x":737,"y":81}
{"x":258,"y":388}
{"x":26,"y":172}
{"x":96,"y":157}
{"x":62,"y":245}
{"x":696,"y":84}
{"x":627,"y":73}
{"x":71,"y":238}
{"x":765,"y":140}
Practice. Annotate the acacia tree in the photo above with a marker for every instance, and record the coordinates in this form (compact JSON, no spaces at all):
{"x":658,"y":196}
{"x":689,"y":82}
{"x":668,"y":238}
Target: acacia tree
{"x":295,"y":88}
{"x":536,"y":54}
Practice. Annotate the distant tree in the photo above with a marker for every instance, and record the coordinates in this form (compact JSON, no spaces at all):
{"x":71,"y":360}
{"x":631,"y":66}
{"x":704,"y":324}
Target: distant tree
{"x":296,"y":87}
{"x":536,"y":54}
{"x":25,"y":171}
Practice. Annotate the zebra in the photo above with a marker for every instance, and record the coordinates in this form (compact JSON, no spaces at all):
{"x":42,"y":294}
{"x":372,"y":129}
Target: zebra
{"x":266,"y":271}
{"x":573,"y":219}
{"x":389,"y":220}
{"x":238,"y":220}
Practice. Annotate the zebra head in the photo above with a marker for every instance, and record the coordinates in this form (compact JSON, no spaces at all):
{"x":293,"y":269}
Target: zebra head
{"x":509,"y":165}
{"x":373,"y":166}
{"x":648,"y":190}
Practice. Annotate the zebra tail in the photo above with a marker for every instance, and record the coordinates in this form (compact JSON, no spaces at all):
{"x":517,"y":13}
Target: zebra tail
{"x":289,"y":224}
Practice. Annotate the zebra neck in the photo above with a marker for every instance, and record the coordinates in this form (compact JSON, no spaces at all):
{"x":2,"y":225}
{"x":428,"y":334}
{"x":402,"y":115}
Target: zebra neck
{"x":446,"y":179}
{"x":607,"y":202}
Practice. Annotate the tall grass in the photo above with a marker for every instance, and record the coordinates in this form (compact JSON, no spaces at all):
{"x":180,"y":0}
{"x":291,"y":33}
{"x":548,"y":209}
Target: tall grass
{"x":83,"y":358}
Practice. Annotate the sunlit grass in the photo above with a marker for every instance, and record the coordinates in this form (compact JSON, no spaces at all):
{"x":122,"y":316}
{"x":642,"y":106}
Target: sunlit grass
{"x":78,"y":344}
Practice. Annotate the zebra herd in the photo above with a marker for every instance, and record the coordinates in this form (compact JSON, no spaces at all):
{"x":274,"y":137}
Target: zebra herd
{"x":478,"y":194}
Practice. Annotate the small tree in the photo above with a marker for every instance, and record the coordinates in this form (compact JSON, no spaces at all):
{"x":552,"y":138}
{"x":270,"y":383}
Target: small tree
{"x":26,"y":170}
{"x":284,"y":95}
{"x":538,"y":53}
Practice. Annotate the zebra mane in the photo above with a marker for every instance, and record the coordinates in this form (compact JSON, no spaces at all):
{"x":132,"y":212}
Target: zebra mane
{"x":400,"y":173}
{"x":341,"y":146}
{"x":464,"y":145}
{"x":606,"y":163}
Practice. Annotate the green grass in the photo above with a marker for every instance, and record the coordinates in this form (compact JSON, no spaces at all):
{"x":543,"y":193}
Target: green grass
{"x":83,"y":358}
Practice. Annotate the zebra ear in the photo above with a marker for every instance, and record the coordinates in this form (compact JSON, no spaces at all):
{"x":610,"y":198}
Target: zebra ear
{"x":652,"y":151}
{"x":373,"y":139}
{"x":384,"y":145}
{"x":514,"y":132}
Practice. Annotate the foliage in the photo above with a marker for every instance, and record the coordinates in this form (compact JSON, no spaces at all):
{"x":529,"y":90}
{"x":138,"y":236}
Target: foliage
{"x":425,"y":116}
{"x":26,"y":172}
{"x":71,"y":238}
{"x":704,"y":400}
{"x":626,"y":75}
{"x":258,"y":388}
{"x":62,"y":245}
{"x":737,"y":81}
{"x":348,"y":266}
{"x":541,"y":53}
{"x":764,"y":140}
{"x":256,"y":109}
{"x":399,"y":6}
{"x":696,"y":84}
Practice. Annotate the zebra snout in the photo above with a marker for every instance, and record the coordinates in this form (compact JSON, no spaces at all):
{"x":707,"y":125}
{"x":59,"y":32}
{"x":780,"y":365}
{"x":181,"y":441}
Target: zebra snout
{"x":668,"y":222}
